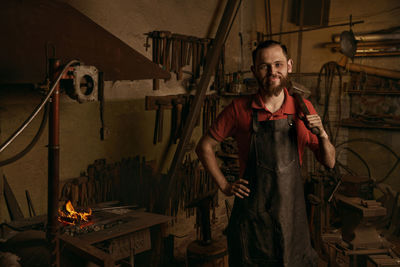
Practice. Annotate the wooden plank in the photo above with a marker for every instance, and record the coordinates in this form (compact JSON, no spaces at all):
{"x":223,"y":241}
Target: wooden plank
{"x":87,"y":251}
{"x":151,"y":101}
{"x":139,"y":221}
{"x":11,"y":201}
{"x":29,"y":222}
{"x":210,"y":64}
{"x":127,"y":245}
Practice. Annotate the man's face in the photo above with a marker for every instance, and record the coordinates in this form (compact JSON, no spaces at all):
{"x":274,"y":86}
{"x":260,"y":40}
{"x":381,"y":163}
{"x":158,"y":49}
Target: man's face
{"x":271,"y":70}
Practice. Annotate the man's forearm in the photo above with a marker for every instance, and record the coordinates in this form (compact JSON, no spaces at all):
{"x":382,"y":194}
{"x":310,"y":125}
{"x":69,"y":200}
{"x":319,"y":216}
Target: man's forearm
{"x":326,"y":151}
{"x":206,"y":154}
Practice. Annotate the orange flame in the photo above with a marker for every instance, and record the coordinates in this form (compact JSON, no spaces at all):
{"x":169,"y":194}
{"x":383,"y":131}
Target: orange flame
{"x":70,"y":216}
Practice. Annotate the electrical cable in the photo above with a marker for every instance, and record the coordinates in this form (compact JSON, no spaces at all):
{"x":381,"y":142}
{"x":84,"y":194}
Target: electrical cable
{"x":31,"y":144}
{"x":329,"y":71}
{"x":346,"y":168}
{"x":361,"y":159}
{"x":38,"y":108}
{"x":379,"y":144}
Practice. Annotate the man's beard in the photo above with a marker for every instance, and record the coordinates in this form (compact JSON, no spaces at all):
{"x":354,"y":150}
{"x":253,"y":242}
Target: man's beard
{"x":270,"y":89}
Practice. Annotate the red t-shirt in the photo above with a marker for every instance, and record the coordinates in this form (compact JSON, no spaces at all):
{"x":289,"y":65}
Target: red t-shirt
{"x":235,"y":121}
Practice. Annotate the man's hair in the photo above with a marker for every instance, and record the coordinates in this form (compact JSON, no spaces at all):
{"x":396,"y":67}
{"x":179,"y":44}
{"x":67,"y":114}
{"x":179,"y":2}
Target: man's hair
{"x":266,"y":44}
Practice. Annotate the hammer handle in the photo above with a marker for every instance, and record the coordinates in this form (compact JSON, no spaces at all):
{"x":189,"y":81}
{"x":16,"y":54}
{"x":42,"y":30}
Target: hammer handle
{"x":304,"y":110}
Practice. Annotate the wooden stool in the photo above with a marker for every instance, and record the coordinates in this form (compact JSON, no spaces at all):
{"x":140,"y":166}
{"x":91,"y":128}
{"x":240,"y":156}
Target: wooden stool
{"x":212,"y":255}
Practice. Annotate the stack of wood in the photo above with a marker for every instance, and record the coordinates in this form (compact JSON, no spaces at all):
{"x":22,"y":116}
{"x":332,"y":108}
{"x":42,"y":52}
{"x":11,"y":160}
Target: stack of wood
{"x":130,"y":181}
{"x":193,"y":183}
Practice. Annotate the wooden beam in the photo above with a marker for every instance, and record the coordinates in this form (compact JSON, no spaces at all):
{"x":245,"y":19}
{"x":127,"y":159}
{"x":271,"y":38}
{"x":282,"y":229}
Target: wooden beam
{"x":210,"y":64}
{"x":87,"y":251}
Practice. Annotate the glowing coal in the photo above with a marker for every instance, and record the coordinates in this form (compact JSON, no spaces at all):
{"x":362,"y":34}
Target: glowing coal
{"x":69,"y":216}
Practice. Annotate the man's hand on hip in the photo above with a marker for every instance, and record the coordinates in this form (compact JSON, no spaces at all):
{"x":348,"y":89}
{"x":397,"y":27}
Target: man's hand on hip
{"x":238,"y":188}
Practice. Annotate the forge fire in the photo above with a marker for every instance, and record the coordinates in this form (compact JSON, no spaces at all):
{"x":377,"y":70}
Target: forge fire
{"x":69,"y":216}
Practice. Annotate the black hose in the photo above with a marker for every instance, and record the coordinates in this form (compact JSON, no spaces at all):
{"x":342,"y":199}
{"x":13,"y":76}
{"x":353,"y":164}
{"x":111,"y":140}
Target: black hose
{"x":38,"y":108}
{"x":328,"y":71}
{"x":346,"y":168}
{"x":371,"y":141}
{"x":379,"y":144}
{"x":361,"y":159}
{"x":32,"y":143}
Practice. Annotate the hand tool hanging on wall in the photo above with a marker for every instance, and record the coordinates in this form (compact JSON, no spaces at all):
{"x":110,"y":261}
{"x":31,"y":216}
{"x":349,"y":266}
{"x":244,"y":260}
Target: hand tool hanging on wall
{"x":155,"y":48}
{"x":210,"y":111}
{"x":158,"y":132}
{"x":175,"y":51}
{"x":194,"y":59}
{"x":180,"y":105}
{"x":167,"y":51}
{"x":194,"y":183}
{"x":219,"y":78}
{"x":163,"y":45}
{"x":177,"y":118}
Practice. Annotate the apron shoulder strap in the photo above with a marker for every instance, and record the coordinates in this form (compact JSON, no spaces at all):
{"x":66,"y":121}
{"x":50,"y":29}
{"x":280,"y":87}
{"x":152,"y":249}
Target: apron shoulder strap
{"x":254,"y":115}
{"x":254,"y":119}
{"x":290,"y":120}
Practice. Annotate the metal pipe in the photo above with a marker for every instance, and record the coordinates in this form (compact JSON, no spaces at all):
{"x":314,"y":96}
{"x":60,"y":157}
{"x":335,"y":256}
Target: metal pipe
{"x":377,"y":54}
{"x":388,"y":43}
{"x":368,"y":69}
{"x":53,"y":166}
{"x":372,"y":37}
{"x":315,"y":28}
{"x":37,"y":109}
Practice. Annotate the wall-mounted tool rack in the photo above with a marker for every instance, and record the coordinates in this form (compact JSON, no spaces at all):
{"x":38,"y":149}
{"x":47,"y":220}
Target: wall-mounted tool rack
{"x":175,"y":51}
{"x":373,"y":102}
{"x":180,"y":106}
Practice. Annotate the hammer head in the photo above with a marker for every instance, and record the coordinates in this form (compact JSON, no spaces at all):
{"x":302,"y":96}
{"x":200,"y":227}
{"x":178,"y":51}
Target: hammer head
{"x":163,"y":102}
{"x":295,"y":87}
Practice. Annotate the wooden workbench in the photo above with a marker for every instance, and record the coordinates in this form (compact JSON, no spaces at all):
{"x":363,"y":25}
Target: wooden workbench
{"x":123,"y":240}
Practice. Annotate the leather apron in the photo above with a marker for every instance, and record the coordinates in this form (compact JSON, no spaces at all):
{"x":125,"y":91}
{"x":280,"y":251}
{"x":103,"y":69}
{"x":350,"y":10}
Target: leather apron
{"x":270,"y":228}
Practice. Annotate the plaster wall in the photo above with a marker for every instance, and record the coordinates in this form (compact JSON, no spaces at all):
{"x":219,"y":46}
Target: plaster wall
{"x":131,"y":127}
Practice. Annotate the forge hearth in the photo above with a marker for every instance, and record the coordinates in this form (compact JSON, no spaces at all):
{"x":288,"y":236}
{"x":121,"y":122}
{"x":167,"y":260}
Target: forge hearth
{"x":109,"y":237}
{"x":98,"y":221}
{"x":67,"y":215}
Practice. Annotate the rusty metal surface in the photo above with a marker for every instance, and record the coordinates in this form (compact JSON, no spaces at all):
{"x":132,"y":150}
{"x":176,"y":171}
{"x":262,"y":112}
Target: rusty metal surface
{"x":29,"y":26}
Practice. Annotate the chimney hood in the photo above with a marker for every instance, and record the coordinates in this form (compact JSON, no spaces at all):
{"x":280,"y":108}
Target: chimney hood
{"x":29,"y":26}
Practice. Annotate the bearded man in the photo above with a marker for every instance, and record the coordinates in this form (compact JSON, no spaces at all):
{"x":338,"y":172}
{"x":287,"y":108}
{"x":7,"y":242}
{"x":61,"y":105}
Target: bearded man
{"x":268,"y":224}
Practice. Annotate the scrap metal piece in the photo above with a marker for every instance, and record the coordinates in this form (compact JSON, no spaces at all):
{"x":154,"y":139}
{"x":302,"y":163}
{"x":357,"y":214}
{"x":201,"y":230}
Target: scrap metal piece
{"x":85,"y":83}
{"x":348,"y":44}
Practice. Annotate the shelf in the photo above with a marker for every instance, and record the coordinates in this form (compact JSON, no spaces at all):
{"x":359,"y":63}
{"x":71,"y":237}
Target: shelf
{"x":237,"y":94}
{"x":352,"y":123}
{"x":372,"y":92}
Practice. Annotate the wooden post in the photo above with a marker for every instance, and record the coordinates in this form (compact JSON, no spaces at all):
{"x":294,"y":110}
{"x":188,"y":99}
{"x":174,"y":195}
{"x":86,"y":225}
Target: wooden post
{"x":210,"y":64}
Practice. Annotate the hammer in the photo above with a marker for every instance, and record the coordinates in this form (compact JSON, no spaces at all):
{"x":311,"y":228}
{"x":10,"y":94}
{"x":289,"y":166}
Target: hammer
{"x":178,"y":104}
{"x":296,"y":91}
{"x":158,"y":130}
